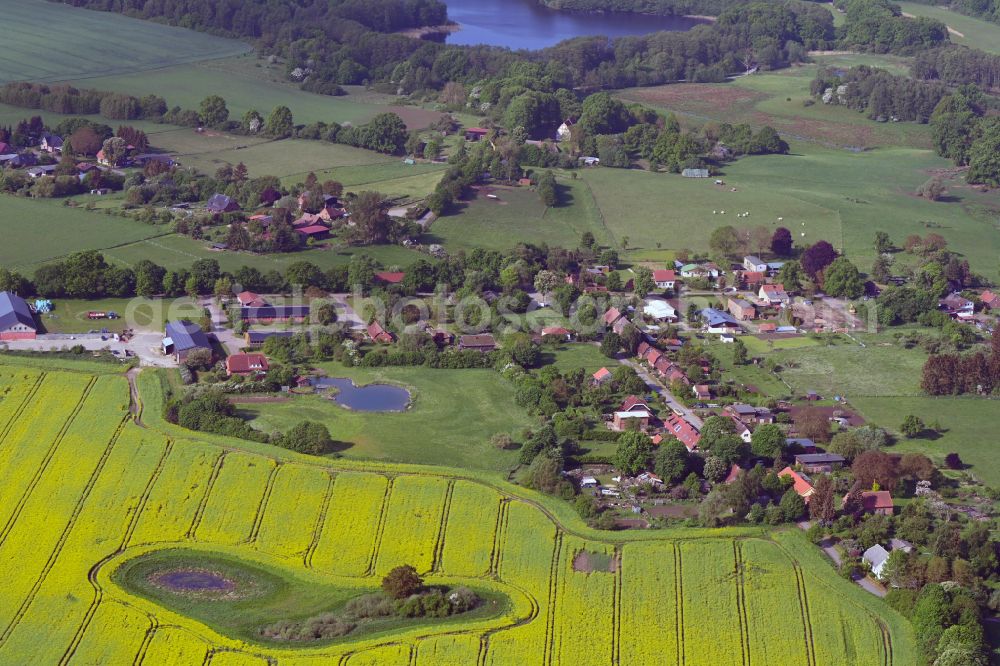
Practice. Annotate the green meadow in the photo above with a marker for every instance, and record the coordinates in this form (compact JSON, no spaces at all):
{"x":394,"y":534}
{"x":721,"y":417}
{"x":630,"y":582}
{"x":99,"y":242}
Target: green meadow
{"x":49,"y":41}
{"x":965,"y":30}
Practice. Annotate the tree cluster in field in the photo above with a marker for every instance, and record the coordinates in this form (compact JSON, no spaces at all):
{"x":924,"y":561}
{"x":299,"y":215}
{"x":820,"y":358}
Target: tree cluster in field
{"x":403,"y":595}
{"x":877,"y":93}
{"x":955,"y":65}
{"x":975,"y":373}
{"x":879,"y":26}
{"x":966,"y":133}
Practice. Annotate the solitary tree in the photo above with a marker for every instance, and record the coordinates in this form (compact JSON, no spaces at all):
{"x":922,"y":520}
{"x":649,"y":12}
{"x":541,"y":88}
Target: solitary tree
{"x":213,"y":111}
{"x":912,"y":426}
{"x":402,"y":582}
{"x":633,"y":452}
{"x":781,"y":242}
{"x":739,"y":353}
{"x":767,"y":441}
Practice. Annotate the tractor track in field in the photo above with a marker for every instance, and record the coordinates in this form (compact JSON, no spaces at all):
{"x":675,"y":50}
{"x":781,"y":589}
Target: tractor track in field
{"x":46,"y":459}
{"x":550,"y":620}
{"x":16,"y":416}
{"x":317,"y":531}
{"x":679,"y":605}
{"x":380,"y":527}
{"x":262,"y":507}
{"x":616,"y":616}
{"x":200,"y":511}
{"x":741,"y":603}
{"x":804,"y":611}
{"x":499,"y":537}
{"x":442,"y":528}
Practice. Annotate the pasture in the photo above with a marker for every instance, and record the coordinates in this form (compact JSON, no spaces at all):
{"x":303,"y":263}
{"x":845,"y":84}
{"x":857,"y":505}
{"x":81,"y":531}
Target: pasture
{"x":517,"y":214}
{"x":965,"y":30}
{"x":36,"y":231}
{"x":93,"y":492}
{"x":965,"y":428}
{"x":50,"y":41}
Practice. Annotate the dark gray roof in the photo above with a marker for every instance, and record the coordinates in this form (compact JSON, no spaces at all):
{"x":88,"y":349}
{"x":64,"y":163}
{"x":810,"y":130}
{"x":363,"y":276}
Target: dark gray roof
{"x":274,"y":312}
{"x":218,"y":203}
{"x":818,"y":458}
{"x":258,"y":337}
{"x":14,"y":310}
{"x":715,"y":317}
{"x":187,"y":335}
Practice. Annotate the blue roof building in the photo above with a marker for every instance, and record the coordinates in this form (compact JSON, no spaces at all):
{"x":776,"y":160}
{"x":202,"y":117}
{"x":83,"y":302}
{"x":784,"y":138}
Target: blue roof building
{"x":181,"y":337}
{"x":16,"y":320}
{"x":718,"y":319}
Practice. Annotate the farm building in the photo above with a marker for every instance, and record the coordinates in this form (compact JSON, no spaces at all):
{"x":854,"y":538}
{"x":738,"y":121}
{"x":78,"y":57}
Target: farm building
{"x":990,"y":300}
{"x":249,"y":299}
{"x":182,"y":337}
{"x":16,"y":320}
{"x":695,"y":173}
{"x":267,"y":314}
{"x":316,"y":231}
{"x":255,"y":339}
{"x":631,"y":420}
{"x":877,"y":501}
{"x":660,"y":310}
{"x":483,"y":342}
{"x":819,"y":462}
{"x":476,"y":133}
{"x":246,"y":365}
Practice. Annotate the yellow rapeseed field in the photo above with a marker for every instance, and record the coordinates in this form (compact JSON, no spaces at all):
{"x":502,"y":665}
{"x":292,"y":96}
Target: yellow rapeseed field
{"x":84,"y":489}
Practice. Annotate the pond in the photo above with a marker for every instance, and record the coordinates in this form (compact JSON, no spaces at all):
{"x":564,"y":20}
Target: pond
{"x":527,"y":24}
{"x":369,"y":398}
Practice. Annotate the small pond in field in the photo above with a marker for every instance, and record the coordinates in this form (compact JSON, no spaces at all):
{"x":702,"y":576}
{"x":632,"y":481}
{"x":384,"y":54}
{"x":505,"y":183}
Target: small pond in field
{"x":369,"y":398}
{"x":192,"y":580}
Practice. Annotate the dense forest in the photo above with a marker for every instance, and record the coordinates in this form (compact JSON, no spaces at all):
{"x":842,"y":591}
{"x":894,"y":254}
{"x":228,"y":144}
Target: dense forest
{"x":879,"y":94}
{"x":956,"y":65}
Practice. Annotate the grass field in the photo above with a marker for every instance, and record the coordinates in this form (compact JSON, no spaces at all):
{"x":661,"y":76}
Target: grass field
{"x":966,"y":30}
{"x":49,"y":41}
{"x":93,"y":492}
{"x":417,"y":435}
{"x":519,"y":215}
{"x":966,"y":424}
{"x":35,"y":231}
{"x":70,"y":316}
{"x":248,"y":82}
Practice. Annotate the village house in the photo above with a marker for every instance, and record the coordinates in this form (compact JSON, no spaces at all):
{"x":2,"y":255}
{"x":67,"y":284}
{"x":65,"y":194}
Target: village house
{"x":734,"y":473}
{"x":718,"y":321}
{"x":182,"y":337}
{"x":683,"y":430}
{"x":557,"y":332}
{"x":267,"y":314}
{"x":742,"y":310}
{"x":600,"y":377}
{"x":246,"y":365}
{"x":773,"y":294}
{"x":51,"y":143}
{"x":620,"y":324}
{"x":750,"y":280}
{"x":314,"y":231}
{"x":803,"y":443}
{"x":220,"y":203}
{"x":255,"y":339}
{"x":476,"y":133}
{"x":664,"y":278}
{"x":707,"y":271}
{"x":957,"y":306}
{"x":611,"y":316}
{"x":634,"y":414}
{"x":378,"y":334}
{"x":45,"y":170}
{"x":702,"y":392}
{"x":754,"y":264}
{"x":801,"y":483}
{"x":750,"y":415}
{"x":483,"y":342}
{"x":990,"y":300}
{"x":742,"y":431}
{"x":249,"y":299}
{"x":877,"y":501}
{"x":16,"y":320}
{"x":565,"y":131}
{"x":876,"y":557}
{"x":819,"y":463}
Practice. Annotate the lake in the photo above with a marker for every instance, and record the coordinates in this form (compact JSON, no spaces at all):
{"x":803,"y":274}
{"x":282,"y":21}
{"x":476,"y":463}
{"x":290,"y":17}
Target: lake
{"x":369,"y":398}
{"x":526,"y":24}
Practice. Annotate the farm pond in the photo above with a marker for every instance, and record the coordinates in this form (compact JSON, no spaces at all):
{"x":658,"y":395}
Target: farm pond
{"x":368,"y":398}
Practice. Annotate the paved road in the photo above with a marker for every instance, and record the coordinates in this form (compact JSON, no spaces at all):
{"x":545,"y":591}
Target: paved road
{"x":227,"y":337}
{"x":656,"y":387}
{"x":828,"y":547}
{"x":345,"y":313}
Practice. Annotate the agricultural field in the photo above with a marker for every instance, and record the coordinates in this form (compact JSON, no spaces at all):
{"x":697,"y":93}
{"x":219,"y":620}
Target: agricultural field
{"x":418,"y":434}
{"x":48,"y":41}
{"x":100,"y":504}
{"x":38,"y":231}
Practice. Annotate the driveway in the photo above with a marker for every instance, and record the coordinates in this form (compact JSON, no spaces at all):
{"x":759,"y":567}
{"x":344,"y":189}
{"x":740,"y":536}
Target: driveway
{"x":345,"y":313}
{"x":828,"y":546}
{"x":227,"y":337}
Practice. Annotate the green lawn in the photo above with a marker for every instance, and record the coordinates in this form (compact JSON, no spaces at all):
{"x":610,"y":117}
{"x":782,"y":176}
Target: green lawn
{"x":571,"y":356}
{"x":453,"y":415}
{"x":519,"y":215}
{"x":35,"y":231}
{"x":176,"y":251}
{"x":70,"y":315}
{"x":968,"y":424}
{"x":52,"y":41}
{"x":756,"y":346}
{"x":973,"y":32}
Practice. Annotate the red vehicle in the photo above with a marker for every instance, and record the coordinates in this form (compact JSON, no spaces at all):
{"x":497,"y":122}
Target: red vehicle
{"x":96,"y":315}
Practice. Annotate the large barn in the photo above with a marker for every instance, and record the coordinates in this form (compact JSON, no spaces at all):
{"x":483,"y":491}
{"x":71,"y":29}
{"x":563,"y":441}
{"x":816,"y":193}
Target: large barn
{"x":16,"y":320}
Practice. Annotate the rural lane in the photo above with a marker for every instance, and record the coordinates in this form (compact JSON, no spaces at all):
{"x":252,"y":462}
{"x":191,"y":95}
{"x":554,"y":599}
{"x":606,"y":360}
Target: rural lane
{"x":656,"y":387}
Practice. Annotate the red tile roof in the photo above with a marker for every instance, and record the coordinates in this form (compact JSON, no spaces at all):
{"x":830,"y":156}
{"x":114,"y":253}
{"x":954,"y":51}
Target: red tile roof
{"x":555,"y":330}
{"x":799,"y":483}
{"x":989,"y":298}
{"x":876,"y":500}
{"x":379,"y":334}
{"x":250,"y":299}
{"x":313,"y":230}
{"x":683,"y":430}
{"x":390,"y":277}
{"x":611,"y":316}
{"x":602,"y":375}
{"x":246,"y":363}
{"x":734,"y":472}
{"x":633,"y":401}
{"x":664,"y":275}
